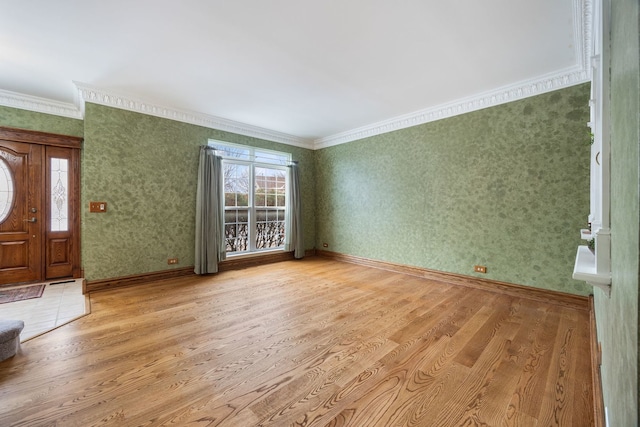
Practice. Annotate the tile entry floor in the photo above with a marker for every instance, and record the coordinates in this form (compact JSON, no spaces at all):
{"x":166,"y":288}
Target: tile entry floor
{"x":59,"y":304}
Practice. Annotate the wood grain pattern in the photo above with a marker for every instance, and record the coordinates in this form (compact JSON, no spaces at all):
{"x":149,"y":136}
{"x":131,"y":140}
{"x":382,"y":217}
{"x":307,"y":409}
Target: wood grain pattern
{"x":21,"y":241}
{"x":137,"y":279}
{"x":40,"y":138}
{"x":305,"y":343}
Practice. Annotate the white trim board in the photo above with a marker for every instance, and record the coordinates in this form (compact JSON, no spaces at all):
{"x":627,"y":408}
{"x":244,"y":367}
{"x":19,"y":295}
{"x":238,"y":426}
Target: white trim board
{"x":39,"y":105}
{"x":88,"y":93}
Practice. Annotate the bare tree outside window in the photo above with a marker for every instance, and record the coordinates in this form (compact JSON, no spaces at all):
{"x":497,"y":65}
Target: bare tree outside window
{"x":270,"y":190}
{"x":236,"y":201}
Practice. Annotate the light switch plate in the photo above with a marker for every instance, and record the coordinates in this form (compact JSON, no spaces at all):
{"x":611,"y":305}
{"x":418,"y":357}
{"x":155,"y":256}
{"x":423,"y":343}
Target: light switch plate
{"x":97,"y":206}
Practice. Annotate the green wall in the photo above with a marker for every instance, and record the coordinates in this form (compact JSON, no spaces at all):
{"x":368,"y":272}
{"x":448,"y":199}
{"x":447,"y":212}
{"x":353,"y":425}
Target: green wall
{"x":506,"y":187}
{"x":617,"y":317}
{"x":145,"y":168}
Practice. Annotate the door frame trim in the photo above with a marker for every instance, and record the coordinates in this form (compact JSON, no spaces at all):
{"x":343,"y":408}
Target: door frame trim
{"x":41,"y":138}
{"x":64,"y":141}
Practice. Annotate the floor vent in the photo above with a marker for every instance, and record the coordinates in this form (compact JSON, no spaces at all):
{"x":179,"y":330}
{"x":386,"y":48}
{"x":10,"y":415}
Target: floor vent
{"x":60,"y":283}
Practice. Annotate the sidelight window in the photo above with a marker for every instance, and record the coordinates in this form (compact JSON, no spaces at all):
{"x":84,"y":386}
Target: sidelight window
{"x":59,"y":194}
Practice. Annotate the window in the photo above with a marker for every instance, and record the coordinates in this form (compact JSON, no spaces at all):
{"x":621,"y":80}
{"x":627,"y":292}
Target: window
{"x":6,"y":190}
{"x":255,"y":183}
{"x":59,"y":194}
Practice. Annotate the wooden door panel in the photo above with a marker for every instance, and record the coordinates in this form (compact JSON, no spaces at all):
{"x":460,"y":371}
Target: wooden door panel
{"x":59,"y":260}
{"x":14,"y":255}
{"x":20,"y":238}
{"x":58,"y":252}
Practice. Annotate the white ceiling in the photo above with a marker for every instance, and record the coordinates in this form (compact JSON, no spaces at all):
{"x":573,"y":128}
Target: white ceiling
{"x":311,"y":70}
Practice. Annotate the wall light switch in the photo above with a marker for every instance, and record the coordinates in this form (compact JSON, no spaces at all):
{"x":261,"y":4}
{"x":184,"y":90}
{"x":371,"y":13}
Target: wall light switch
{"x":97,"y":206}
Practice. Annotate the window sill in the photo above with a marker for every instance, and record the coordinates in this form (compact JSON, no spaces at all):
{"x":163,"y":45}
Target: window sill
{"x":255,"y":254}
{"x":239,"y":261}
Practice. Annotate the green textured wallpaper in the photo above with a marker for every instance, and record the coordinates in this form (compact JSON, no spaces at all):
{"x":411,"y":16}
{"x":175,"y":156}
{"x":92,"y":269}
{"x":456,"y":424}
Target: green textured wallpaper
{"x":506,"y":187}
{"x":145,"y":168}
{"x":617,"y":317}
{"x":23,"y":119}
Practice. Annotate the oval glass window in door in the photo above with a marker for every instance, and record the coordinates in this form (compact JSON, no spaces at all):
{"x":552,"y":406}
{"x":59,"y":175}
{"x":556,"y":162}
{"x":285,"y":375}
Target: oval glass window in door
{"x":6,"y":190}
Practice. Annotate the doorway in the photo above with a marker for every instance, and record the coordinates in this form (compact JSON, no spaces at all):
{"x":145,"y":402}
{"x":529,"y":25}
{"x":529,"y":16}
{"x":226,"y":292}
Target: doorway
{"x":39,"y":206}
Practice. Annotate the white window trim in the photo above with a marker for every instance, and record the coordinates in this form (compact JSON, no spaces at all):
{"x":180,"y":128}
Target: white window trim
{"x":595,"y":267}
{"x":253,"y":163}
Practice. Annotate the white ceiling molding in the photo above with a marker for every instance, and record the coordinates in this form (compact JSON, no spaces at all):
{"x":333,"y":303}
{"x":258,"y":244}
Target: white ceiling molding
{"x":581,"y":73}
{"x":88,"y":93}
{"x":565,"y":78}
{"x":498,"y":96}
{"x":582,"y":19}
{"x":39,"y":105}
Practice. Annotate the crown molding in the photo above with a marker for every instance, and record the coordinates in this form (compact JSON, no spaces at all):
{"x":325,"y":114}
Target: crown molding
{"x":583,"y":32}
{"x":521,"y":90}
{"x":39,"y":105}
{"x":88,"y":93}
{"x":580,"y":73}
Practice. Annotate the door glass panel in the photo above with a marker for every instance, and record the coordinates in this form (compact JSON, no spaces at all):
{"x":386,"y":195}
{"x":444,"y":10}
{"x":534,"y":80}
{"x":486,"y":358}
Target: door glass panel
{"x":59,"y":194}
{"x":6,"y":190}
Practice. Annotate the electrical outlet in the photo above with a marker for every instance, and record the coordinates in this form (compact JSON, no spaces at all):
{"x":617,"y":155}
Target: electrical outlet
{"x":172,"y":261}
{"x":480,"y":269}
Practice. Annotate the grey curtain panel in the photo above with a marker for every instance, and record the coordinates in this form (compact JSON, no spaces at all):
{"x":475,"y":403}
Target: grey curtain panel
{"x":210,"y":243}
{"x":293,"y":228}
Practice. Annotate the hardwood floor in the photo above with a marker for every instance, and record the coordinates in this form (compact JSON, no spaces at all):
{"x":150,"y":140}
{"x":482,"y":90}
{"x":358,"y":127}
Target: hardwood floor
{"x":312,"y":342}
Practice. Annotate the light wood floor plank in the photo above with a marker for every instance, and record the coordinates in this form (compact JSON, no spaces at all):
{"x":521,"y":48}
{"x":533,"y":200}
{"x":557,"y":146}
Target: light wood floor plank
{"x":305,"y":343}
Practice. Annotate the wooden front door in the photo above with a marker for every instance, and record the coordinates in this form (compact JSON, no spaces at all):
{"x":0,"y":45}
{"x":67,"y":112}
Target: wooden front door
{"x":39,"y":206}
{"x":21,"y":232}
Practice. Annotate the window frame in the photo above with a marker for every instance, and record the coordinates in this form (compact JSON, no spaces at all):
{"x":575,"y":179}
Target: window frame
{"x":251,"y":158}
